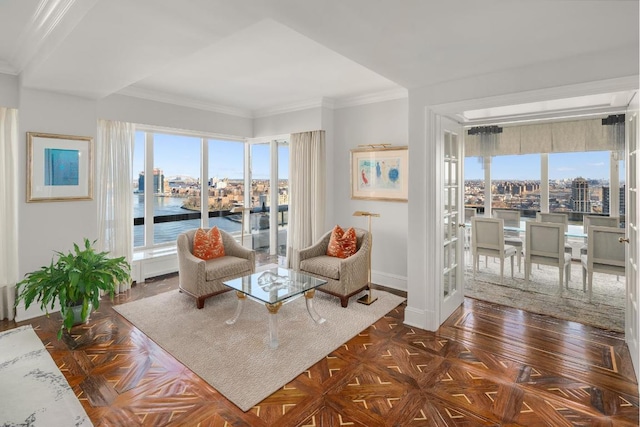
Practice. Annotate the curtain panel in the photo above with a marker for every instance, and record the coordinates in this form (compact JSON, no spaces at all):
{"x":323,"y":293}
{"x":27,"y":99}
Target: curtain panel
{"x":115,"y":205}
{"x":8,"y":211}
{"x":556,"y":137}
{"x":307,"y":166}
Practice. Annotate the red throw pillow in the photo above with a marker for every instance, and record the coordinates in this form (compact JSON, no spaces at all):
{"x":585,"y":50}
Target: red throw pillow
{"x":342,"y":243}
{"x":208,"y":245}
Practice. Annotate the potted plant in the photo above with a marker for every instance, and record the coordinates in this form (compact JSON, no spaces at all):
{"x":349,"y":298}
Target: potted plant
{"x":75,"y":280}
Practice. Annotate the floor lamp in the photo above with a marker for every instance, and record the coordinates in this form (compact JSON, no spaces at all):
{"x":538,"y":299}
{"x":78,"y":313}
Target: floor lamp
{"x":368,"y":299}
{"x":241,"y":209}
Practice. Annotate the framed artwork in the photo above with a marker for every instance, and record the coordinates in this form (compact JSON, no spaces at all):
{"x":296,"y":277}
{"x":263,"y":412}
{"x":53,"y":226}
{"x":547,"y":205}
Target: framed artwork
{"x":380,"y":173}
{"x":59,"y":167}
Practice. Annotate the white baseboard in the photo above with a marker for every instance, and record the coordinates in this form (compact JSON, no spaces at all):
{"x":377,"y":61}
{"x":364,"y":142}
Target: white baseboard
{"x":389,"y":280}
{"x":423,"y":319}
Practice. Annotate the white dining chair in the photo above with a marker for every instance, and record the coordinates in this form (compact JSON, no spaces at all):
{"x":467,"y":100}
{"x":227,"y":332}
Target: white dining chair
{"x":605,"y":254}
{"x":511,"y":219}
{"x":487,"y":238}
{"x":557,"y":218}
{"x":598,"y":221}
{"x":544,"y":244}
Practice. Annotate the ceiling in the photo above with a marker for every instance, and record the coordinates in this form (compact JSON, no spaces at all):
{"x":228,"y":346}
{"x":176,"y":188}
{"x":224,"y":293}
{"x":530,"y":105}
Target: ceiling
{"x":254,"y":57}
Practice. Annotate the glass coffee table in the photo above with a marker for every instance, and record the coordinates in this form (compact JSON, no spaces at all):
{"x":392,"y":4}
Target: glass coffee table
{"x":275,"y":287}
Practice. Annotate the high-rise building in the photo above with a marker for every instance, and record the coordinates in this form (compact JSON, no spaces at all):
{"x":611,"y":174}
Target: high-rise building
{"x":158,"y":181}
{"x":580,"y":201}
{"x":605,"y":200}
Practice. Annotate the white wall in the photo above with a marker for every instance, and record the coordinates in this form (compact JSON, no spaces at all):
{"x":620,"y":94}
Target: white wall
{"x":45,"y":227}
{"x":142,"y":111}
{"x":424,"y":241}
{"x":292,"y":122}
{"x":383,"y":122}
{"x":8,"y":91}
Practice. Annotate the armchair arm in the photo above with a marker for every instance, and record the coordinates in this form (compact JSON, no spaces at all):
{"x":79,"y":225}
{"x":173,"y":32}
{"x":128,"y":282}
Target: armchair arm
{"x":317,"y":249}
{"x":354,"y":270}
{"x":191,"y":268}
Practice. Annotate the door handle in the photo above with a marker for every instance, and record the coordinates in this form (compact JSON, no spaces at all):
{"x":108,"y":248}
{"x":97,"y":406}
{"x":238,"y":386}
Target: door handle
{"x":622,"y":239}
{"x":461,"y":225}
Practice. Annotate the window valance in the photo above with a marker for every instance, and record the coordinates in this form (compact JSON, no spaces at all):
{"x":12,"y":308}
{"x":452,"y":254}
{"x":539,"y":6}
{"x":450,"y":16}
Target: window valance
{"x":556,"y":137}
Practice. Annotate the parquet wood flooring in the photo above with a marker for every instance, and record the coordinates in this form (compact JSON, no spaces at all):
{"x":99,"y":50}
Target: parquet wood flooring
{"x":488,"y":365}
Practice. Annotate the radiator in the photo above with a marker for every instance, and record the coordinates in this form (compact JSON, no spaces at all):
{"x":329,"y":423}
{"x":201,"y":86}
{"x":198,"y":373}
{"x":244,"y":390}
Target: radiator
{"x":7,"y":300}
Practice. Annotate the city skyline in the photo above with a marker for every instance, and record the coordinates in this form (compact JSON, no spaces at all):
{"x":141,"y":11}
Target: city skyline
{"x":589,"y":165}
{"x":178,"y":155}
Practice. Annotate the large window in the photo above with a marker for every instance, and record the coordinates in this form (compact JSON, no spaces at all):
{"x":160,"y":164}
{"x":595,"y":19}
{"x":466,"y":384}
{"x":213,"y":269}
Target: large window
{"x":167,"y":188}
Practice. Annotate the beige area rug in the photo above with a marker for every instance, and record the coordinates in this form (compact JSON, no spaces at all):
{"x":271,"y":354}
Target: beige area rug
{"x":236,"y":359}
{"x":541,"y":294}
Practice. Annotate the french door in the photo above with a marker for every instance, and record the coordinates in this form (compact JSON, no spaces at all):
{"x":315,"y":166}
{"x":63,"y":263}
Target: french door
{"x":632,"y":331}
{"x":452,"y":291}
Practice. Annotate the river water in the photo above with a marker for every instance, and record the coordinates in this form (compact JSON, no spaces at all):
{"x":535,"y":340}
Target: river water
{"x":168,"y":231}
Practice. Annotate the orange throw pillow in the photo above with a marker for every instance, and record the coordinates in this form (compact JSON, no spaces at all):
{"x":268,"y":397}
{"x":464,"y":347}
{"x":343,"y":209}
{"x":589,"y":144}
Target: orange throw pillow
{"x":208,"y":245}
{"x":342,"y":243}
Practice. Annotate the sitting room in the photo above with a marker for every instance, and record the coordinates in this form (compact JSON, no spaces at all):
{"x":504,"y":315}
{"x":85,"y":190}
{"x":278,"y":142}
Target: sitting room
{"x":324,"y":142}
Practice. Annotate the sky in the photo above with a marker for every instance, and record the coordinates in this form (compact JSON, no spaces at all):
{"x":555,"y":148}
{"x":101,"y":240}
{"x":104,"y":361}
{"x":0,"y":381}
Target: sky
{"x":590,"y":165}
{"x":180,"y":156}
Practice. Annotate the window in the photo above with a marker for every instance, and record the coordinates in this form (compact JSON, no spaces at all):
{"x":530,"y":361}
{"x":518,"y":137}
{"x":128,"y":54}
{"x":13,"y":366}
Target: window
{"x":225,"y":183}
{"x":515,"y":183}
{"x":167,"y":178}
{"x":167,"y":188}
{"x":579,"y":183}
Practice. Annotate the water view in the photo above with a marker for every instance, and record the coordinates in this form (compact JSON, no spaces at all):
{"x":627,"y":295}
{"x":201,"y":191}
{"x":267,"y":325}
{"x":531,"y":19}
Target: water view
{"x":168,"y":231}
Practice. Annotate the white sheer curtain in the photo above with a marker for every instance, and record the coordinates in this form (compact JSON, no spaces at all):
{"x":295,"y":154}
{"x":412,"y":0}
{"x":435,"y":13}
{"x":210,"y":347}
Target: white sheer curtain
{"x":8,"y":210}
{"x":115,"y":216}
{"x":307,"y":192}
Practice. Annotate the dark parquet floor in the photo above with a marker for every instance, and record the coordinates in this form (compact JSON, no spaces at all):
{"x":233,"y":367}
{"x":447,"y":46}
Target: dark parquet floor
{"x":488,"y":365}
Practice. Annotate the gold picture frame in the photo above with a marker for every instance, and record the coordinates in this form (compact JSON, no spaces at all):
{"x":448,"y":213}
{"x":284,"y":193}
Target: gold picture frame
{"x":59,"y":167}
{"x":380,"y":173}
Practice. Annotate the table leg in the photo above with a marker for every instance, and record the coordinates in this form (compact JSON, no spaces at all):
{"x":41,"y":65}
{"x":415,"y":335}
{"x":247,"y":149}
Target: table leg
{"x":273,"y":323}
{"x":241,"y":298}
{"x":312,"y":311}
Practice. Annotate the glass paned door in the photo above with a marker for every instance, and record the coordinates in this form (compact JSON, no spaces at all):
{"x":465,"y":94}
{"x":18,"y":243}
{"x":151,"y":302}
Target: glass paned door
{"x":632,"y":329}
{"x":453,"y":224}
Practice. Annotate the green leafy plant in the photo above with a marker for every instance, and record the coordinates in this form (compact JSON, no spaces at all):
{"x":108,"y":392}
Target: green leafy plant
{"x":75,"y":278}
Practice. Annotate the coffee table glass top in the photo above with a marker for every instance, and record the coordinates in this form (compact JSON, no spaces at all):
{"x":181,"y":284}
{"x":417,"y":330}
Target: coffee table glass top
{"x":274,"y":285}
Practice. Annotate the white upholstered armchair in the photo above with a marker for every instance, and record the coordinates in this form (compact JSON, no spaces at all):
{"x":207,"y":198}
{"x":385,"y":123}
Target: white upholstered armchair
{"x":345,"y":276}
{"x":203,"y":279}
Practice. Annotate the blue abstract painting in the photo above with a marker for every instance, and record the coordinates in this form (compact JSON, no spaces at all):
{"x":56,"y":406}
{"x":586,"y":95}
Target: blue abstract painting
{"x":61,"y":167}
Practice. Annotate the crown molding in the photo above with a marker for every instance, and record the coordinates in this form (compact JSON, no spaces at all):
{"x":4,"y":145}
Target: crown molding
{"x":295,"y":106}
{"x":167,"y":98}
{"x":7,"y":68}
{"x":372,"y":98}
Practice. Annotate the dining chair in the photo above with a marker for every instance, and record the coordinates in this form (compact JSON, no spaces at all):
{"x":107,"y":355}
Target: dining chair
{"x":605,"y":254}
{"x":544,"y":244}
{"x":468,"y":214}
{"x":599,"y":221}
{"x":511,"y":218}
{"x":487,"y":238}
{"x":557,"y":218}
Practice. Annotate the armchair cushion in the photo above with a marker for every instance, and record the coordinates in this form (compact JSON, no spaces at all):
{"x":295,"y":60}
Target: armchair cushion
{"x":208,"y":245}
{"x":342,"y":244}
{"x":324,"y":265}
{"x":226,"y":266}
